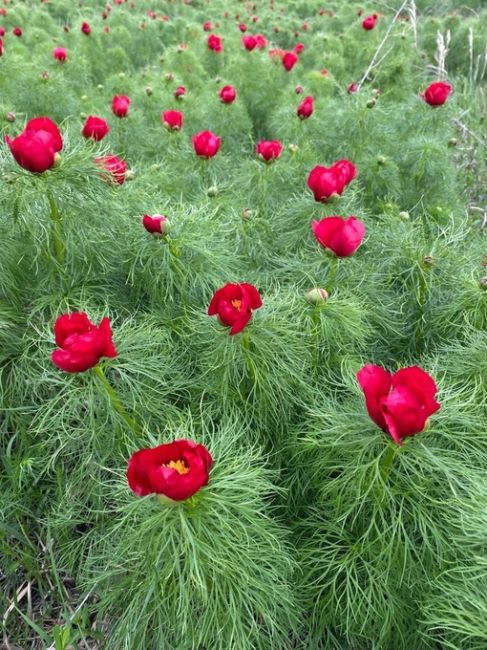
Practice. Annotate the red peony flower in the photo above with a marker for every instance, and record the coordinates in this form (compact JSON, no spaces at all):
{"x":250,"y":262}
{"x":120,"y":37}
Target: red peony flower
{"x":154,"y":224}
{"x":227,"y":94}
{"x":306,"y":108}
{"x":249,"y":42}
{"x":179,"y":92}
{"x":176,"y":470}
{"x":60,"y":54}
{"x":400,"y":403}
{"x":289,"y":60}
{"x":261,"y":41}
{"x":120,"y":105}
{"x":17,"y":31}
{"x":370,"y":22}
{"x":36,"y":147}
{"x":339,"y":235}
{"x":268,"y":150}
{"x":2,"y":31}
{"x":81,"y":343}
{"x":206,"y":144}
{"x":215,"y":43}
{"x":298,"y":48}
{"x":325,"y":182}
{"x":233,"y":304}
{"x":85,"y":28}
{"x":172,"y":120}
{"x":207,"y":26}
{"x":95,"y":128}
{"x":115,"y":168}
{"x":436,"y":93}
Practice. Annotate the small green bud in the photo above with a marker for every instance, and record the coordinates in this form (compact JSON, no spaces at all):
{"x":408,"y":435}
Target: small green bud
{"x":293,"y":148}
{"x":404,"y":215}
{"x":246,"y":214}
{"x":121,"y":75}
{"x":381,"y":160}
{"x":212,"y":191}
{"x":428,"y":260}
{"x":10,"y":117}
{"x":483,"y":283}
{"x":129,"y":175}
{"x":452,"y":142}
{"x":371,"y":103}
{"x":316,"y":296}
{"x":149,"y":90}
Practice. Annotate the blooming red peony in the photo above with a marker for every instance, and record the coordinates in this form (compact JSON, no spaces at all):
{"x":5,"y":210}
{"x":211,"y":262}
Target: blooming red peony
{"x":172,"y":120}
{"x":227,"y":94}
{"x":81,"y":343}
{"x":60,"y":54}
{"x":289,"y":60}
{"x":400,"y":403}
{"x":268,"y":150}
{"x":215,"y":43}
{"x":120,"y":105}
{"x":95,"y":128}
{"x":114,"y":167}
{"x":85,"y":28}
{"x":306,"y":108}
{"x":233,"y":304}
{"x":206,"y":144}
{"x":325,"y":182}
{"x":370,"y":22}
{"x":176,"y":470}
{"x":249,"y":42}
{"x":339,"y":235}
{"x":436,"y":93}
{"x":261,"y":41}
{"x":36,"y":147}
{"x":154,"y":224}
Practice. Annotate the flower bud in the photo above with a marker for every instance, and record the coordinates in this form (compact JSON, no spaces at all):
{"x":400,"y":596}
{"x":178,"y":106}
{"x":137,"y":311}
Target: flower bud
{"x":10,"y":117}
{"x":149,"y":90}
{"x":246,"y":214}
{"x":483,"y":282}
{"x":129,"y":175}
{"x":212,"y":191}
{"x":316,"y":296}
{"x":404,"y":215}
{"x":452,"y":142}
{"x":371,"y":103}
{"x":381,"y":160}
{"x":293,"y":148}
{"x":100,"y":86}
{"x":428,"y":260}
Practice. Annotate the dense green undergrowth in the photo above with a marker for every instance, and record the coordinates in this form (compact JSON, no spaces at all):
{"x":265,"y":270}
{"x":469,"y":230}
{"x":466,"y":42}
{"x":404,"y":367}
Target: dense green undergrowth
{"x":315,"y":531}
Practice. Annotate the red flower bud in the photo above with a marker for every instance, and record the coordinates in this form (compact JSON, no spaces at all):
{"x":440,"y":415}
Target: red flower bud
{"x":172,"y":120}
{"x":369,"y":22}
{"x":60,"y":54}
{"x":306,"y":108}
{"x":17,"y":31}
{"x":400,"y":403}
{"x":233,"y":304}
{"x":36,"y":147}
{"x":81,"y":343}
{"x":227,"y":94}
{"x":215,"y":43}
{"x":436,"y":93}
{"x":206,"y":144}
{"x":207,"y":26}
{"x":326,"y":181}
{"x":120,"y":105}
{"x":298,"y":48}
{"x":180,"y":92}
{"x":338,"y":235}
{"x":95,"y":128}
{"x":85,"y":28}
{"x":352,"y":88}
{"x":176,"y":470}
{"x":242,"y":27}
{"x":114,"y":167}
{"x":269,"y":150}
{"x":155,"y":224}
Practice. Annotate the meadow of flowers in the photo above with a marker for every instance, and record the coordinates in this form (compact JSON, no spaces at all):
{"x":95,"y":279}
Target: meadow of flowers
{"x":243,"y":325}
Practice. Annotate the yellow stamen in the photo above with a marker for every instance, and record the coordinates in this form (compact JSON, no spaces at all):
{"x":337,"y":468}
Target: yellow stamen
{"x":237,"y":304}
{"x":179,"y":465}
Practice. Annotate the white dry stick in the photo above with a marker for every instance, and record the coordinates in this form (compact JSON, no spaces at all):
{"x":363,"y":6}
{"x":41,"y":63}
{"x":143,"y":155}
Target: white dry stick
{"x":413,"y":17}
{"x":374,"y":63}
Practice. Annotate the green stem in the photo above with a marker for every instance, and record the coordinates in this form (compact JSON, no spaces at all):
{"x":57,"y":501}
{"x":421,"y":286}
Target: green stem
{"x":115,"y":400}
{"x":332,"y":273}
{"x":263,"y":190}
{"x":57,"y":230}
{"x":316,"y":338}
{"x":246,"y":348}
{"x":422,"y":300}
{"x":387,"y":463}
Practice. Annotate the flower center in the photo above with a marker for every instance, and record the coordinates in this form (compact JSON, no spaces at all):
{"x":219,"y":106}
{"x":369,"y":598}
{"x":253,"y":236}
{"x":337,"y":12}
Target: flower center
{"x":237,"y":304}
{"x":179,"y":465}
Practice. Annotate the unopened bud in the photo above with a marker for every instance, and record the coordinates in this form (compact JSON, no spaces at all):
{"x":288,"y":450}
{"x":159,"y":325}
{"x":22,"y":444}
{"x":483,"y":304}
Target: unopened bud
{"x":212,"y":191}
{"x":428,"y":260}
{"x":317,"y":296}
{"x":452,"y":142}
{"x":45,"y":76}
{"x":129,"y":175}
{"x":10,"y":117}
{"x":381,"y":160}
{"x":371,"y":103}
{"x":293,"y":148}
{"x":121,"y":75}
{"x":404,"y":215}
{"x":100,"y":86}
{"x":169,"y":76}
{"x":149,"y":90}
{"x":246,"y":214}
{"x":483,"y":282}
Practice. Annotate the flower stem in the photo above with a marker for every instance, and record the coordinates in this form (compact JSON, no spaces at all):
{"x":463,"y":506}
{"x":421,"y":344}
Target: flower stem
{"x":248,"y":360}
{"x":57,"y":230}
{"x":332,"y":273}
{"x":116,"y":401}
{"x":387,"y":463}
